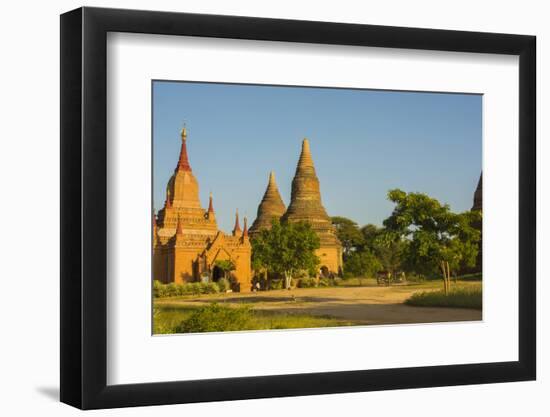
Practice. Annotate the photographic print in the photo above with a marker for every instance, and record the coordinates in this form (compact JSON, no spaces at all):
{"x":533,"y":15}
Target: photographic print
{"x":289,"y":207}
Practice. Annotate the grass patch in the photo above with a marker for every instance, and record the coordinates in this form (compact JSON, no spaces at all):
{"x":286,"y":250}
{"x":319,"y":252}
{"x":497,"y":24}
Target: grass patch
{"x":471,"y":277}
{"x":461,"y":297}
{"x":219,"y":318}
{"x":358,"y":282}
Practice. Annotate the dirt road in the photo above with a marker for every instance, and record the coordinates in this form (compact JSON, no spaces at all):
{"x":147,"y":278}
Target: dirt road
{"x":360,"y":305}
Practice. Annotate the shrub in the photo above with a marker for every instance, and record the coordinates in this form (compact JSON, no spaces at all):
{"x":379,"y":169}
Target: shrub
{"x":307,"y":283}
{"x":216,"y":318}
{"x":325,"y":282}
{"x":414,"y":277}
{"x":212,"y":288}
{"x":191,"y":288}
{"x":276,"y":284}
{"x":195,"y":288}
{"x":171,"y":290}
{"x":224,"y":285}
{"x":158,"y":289}
{"x":186,"y":289}
{"x":338,"y":281}
{"x":302,"y":274}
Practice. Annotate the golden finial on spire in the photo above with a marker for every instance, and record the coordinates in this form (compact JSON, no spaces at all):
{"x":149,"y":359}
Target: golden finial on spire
{"x":184,"y":132}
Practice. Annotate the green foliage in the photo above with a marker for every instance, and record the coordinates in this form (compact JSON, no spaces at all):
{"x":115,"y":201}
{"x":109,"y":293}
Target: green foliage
{"x":349,"y":234}
{"x":216,"y":318}
{"x":390,"y":249}
{"x":357,"y":282}
{"x":164,"y":320}
{"x":302,"y":274}
{"x":226,"y":266}
{"x":325,"y":282}
{"x":471,"y":277}
{"x":413,"y":277}
{"x":158,"y":289}
{"x":468,"y":297}
{"x":182,"y":319}
{"x":191,"y":288}
{"x":370,"y":234}
{"x":380,"y":249}
{"x":286,"y":248}
{"x":276,"y":284}
{"x":224,"y":284}
{"x":434,"y":233}
{"x":211,"y":288}
{"x":363,"y":263}
{"x":306,"y":283}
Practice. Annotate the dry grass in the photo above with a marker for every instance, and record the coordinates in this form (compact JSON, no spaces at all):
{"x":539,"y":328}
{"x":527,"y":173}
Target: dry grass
{"x":460,"y":297}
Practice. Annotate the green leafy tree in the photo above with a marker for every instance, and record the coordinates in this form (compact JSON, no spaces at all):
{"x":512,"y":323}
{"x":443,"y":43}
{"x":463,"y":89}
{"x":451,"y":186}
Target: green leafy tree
{"x":362,"y":263}
{"x":285,"y":249}
{"x":389,"y":248}
{"x":438,"y":239}
{"x":370,"y":234}
{"x":349,"y":234}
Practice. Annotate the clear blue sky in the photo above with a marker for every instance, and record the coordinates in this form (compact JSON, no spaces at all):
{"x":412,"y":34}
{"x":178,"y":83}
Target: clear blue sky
{"x":363,"y":143}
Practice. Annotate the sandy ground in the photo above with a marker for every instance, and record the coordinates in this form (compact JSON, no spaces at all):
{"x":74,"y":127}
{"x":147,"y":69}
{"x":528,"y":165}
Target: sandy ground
{"x":360,"y":305}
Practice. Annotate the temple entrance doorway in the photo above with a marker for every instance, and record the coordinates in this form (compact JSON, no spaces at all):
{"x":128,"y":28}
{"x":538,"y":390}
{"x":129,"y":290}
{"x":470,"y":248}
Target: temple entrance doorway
{"x":217,"y":274}
{"x":324,"y":272}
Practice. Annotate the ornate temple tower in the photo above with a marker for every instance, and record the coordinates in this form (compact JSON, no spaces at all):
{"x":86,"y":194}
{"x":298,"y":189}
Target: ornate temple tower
{"x":186,"y":239}
{"x":305,"y":205}
{"x":182,"y":201}
{"x":271,"y":206}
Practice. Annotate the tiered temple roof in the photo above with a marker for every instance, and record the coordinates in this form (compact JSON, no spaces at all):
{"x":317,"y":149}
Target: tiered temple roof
{"x":305,"y":200}
{"x":182,"y":205}
{"x":271,"y":207}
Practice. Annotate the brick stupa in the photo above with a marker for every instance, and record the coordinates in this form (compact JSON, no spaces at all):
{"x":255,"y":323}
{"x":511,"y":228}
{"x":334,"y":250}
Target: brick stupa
{"x":306,"y":205}
{"x":271,"y":207}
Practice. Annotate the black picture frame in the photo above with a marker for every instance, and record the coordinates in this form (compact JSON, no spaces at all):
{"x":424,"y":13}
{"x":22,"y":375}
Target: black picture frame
{"x":84,"y":207}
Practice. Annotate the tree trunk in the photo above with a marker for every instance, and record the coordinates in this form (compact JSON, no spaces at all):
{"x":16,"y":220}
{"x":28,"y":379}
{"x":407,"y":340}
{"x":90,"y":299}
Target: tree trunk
{"x":445,"y":284}
{"x":288,"y":279}
{"x":448,"y":275}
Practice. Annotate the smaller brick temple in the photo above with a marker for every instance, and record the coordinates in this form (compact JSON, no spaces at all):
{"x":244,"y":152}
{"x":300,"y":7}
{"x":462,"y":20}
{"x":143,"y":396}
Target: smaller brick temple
{"x":271,"y":207}
{"x":186,"y":239}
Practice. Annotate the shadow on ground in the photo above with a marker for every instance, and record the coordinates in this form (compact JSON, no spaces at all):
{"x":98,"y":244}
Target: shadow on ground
{"x":390,"y":313}
{"x":50,"y":392}
{"x":260,"y":299}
